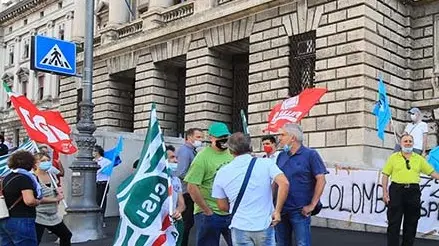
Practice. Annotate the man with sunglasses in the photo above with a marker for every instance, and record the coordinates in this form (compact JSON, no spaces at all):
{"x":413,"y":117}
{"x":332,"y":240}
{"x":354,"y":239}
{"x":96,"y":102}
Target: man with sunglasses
{"x":210,"y":221}
{"x":403,"y":197}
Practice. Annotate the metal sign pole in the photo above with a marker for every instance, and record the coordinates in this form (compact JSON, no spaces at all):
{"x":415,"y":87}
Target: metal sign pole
{"x":84,"y":216}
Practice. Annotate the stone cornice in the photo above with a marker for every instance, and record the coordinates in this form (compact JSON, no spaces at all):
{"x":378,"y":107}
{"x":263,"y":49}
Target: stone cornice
{"x":23,"y":8}
{"x":217,"y":16}
{"x":416,"y":2}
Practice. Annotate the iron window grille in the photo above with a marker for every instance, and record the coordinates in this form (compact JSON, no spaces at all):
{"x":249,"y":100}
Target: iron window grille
{"x":302,"y":62}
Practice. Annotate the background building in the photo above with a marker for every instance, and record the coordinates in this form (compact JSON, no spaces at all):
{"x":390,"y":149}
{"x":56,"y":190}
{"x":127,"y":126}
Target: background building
{"x":19,"y":20}
{"x":205,"y":60}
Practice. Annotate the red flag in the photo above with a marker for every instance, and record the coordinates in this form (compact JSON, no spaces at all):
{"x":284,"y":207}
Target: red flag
{"x":47,"y":127}
{"x":293,"y":109}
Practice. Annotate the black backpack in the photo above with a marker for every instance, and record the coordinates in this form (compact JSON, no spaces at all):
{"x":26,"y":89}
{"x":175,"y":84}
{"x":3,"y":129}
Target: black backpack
{"x":3,"y":149}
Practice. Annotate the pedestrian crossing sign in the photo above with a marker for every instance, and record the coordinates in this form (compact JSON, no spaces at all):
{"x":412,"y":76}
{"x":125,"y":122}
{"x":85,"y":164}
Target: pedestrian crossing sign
{"x":53,"y":56}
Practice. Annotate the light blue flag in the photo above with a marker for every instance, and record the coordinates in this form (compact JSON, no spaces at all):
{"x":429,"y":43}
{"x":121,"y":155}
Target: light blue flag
{"x":433,"y":158}
{"x":382,"y":109}
{"x":113,"y":156}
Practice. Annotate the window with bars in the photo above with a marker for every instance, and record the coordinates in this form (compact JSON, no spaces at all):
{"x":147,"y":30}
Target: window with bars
{"x":41,"y":87}
{"x":302,"y":62}
{"x":240,"y":89}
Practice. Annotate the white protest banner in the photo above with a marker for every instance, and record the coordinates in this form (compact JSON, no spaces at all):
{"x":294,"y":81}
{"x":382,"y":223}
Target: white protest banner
{"x":357,"y":196}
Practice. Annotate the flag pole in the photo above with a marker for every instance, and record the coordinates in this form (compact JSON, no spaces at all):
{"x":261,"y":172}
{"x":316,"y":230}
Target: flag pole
{"x":394,"y":130}
{"x":105,"y":192}
{"x":52,"y":179}
{"x":170,"y":190}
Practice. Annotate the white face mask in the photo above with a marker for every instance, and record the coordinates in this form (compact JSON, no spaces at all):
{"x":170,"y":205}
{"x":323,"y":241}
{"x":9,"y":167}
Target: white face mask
{"x":173,"y":166}
{"x":413,"y":117}
{"x":197,"y":143}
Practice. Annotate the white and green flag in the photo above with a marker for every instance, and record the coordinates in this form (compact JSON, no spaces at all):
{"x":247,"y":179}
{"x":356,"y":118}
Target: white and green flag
{"x":28,"y":145}
{"x":145,"y":198}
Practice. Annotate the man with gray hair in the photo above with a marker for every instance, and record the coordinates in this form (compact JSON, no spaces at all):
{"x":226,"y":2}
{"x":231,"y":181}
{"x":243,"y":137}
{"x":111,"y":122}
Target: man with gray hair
{"x":306,"y":171}
{"x":243,"y":188}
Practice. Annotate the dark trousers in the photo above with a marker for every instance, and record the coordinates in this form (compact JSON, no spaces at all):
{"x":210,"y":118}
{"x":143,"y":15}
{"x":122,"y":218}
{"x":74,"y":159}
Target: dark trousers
{"x":59,"y":230}
{"x":210,"y":228}
{"x":404,"y":202}
{"x":188,"y":218}
{"x":100,"y":190}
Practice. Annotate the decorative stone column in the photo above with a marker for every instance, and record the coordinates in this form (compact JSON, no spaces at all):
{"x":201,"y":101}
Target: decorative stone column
{"x":16,"y":60}
{"x":2,"y":70}
{"x":78,"y":21}
{"x":204,"y":5}
{"x":49,"y":79}
{"x":118,"y":12}
{"x":160,"y":4}
{"x":33,"y":79}
{"x":152,"y":18}
{"x":68,"y":29}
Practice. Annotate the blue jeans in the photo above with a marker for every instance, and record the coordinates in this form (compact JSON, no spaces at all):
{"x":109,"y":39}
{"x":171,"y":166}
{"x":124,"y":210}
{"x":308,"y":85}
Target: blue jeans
{"x":210,"y":228}
{"x":18,"y":232}
{"x":253,"y":238}
{"x":294,"y":222}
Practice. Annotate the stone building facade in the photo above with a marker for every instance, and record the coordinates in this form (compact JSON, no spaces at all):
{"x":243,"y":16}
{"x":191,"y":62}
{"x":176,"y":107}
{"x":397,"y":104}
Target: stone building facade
{"x":204,"y":60}
{"x":19,"y":20}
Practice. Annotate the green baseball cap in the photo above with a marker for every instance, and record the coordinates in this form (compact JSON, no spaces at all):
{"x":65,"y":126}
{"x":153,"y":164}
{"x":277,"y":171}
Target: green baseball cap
{"x":218,"y":129}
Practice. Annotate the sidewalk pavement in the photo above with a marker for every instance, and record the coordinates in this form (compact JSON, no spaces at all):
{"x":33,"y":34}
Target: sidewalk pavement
{"x":320,"y":237}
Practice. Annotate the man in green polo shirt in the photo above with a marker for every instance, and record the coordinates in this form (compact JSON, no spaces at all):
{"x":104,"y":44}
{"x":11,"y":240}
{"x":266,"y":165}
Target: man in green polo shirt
{"x":210,"y":221}
{"x":403,"y":197}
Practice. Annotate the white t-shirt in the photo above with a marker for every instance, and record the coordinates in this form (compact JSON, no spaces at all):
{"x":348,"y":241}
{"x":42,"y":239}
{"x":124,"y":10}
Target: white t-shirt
{"x":176,"y":190}
{"x":254,"y":211}
{"x":417,"y":131}
{"x":102,"y":162}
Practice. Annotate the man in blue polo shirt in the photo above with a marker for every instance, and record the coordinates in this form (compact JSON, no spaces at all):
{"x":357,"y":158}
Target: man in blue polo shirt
{"x":305,"y":171}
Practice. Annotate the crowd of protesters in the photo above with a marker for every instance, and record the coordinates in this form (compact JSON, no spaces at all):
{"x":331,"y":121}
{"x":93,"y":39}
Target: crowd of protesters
{"x":224,"y":189}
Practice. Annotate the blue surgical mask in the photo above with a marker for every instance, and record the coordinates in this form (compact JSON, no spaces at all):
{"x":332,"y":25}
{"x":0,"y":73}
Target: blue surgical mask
{"x":45,"y":165}
{"x":407,"y":149}
{"x":286,"y":148}
{"x":173,"y":166}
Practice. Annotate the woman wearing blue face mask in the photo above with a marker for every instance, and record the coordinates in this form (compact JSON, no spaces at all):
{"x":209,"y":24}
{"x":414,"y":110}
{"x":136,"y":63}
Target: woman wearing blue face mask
{"x":177,"y":195}
{"x":47,"y":211}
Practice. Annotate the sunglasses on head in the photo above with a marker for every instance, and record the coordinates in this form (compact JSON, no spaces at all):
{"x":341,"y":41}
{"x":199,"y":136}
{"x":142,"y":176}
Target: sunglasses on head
{"x":407,"y":164}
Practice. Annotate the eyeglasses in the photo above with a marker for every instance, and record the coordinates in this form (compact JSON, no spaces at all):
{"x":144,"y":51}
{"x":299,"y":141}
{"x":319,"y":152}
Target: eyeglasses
{"x":407,"y":164}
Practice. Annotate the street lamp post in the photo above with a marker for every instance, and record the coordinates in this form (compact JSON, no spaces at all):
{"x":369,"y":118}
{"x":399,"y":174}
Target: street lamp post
{"x":83,"y":214}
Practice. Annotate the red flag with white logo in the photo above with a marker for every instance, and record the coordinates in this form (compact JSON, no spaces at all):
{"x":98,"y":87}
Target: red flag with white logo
{"x":47,"y":127}
{"x":293,"y":109}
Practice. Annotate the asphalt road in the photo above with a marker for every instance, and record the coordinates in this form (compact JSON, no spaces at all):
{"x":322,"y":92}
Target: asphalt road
{"x":320,"y":237}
